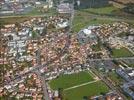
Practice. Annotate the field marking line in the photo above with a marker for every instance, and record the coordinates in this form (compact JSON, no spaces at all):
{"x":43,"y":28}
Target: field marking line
{"x":81,"y":85}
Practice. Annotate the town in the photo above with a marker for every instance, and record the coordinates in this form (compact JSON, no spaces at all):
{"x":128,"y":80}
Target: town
{"x":43,"y":58}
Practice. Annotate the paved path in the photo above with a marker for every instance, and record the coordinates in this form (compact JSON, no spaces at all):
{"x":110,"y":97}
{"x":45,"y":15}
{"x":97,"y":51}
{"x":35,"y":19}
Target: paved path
{"x":81,"y":85}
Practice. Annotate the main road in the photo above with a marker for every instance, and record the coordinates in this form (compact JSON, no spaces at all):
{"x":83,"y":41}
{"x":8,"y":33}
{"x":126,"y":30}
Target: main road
{"x":43,"y":82}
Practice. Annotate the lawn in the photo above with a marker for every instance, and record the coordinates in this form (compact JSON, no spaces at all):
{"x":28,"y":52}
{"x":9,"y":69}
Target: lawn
{"x":122,"y":52}
{"x":89,"y":90}
{"x":66,"y":81}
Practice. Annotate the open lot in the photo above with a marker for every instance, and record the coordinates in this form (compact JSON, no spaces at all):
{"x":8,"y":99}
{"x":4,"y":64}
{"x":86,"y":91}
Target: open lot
{"x":122,"y":52}
{"x":89,"y":90}
{"x":66,"y":81}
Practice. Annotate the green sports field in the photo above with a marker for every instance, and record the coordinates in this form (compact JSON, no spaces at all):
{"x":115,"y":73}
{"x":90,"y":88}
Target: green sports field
{"x":66,"y":81}
{"x":89,"y":90}
{"x":78,"y":85}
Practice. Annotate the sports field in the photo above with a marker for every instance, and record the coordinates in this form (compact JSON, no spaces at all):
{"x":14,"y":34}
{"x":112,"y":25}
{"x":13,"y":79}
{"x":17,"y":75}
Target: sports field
{"x":66,"y":81}
{"x":73,"y":84}
{"x":89,"y":90}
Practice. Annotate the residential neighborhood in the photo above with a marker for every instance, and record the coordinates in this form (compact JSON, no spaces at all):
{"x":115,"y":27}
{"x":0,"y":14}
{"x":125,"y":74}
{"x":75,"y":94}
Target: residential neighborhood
{"x":42,"y":57}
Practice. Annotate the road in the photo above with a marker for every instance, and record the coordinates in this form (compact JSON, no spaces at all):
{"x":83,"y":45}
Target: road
{"x":43,"y":82}
{"x":19,"y":16}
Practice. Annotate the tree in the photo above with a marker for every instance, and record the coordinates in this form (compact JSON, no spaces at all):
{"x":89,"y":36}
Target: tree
{"x":60,"y":90}
{"x":34,"y":34}
{"x":85,"y":98}
{"x":44,"y":32}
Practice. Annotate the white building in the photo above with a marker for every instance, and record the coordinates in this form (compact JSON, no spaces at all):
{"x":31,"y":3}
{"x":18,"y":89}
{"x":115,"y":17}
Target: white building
{"x":64,"y":8}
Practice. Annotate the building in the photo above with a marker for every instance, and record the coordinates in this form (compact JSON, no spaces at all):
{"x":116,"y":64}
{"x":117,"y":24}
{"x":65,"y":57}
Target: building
{"x":129,"y":88}
{"x":87,"y":35}
{"x":108,"y":96}
{"x":128,"y":75}
{"x":64,"y":8}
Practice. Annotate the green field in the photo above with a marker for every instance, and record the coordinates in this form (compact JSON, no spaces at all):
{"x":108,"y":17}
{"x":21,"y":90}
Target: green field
{"x":37,"y":11}
{"x":89,"y":90}
{"x":84,"y":19}
{"x":66,"y":81}
{"x":23,"y":17}
{"x":13,"y":20}
{"x":122,"y":52}
{"x":103,"y":10}
{"x":96,"y":16}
